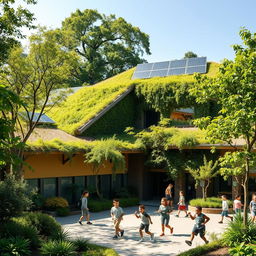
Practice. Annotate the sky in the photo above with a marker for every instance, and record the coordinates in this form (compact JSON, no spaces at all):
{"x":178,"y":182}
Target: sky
{"x":206,"y":27}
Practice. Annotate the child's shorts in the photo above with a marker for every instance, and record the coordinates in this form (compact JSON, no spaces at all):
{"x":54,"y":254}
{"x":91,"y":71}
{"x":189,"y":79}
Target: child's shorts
{"x":253,"y":213}
{"x":201,"y":231}
{"x":182,"y":208}
{"x":85,"y":212}
{"x":117,"y":222}
{"x":144,"y":226}
{"x":224,"y":213}
{"x":165,"y":220}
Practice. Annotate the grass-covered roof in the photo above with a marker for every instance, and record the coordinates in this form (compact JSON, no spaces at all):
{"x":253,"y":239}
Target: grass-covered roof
{"x":86,"y":103}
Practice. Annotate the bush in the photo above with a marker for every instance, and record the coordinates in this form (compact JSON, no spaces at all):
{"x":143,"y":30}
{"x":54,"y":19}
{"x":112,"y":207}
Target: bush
{"x":14,"y":198}
{"x":237,"y":233}
{"x":37,"y":201}
{"x":58,"y":248}
{"x":46,"y":225}
{"x":62,"y":212}
{"x":81,"y":244}
{"x":210,"y":202}
{"x":20,"y":228}
{"x":243,"y":249}
{"x":201,"y":250}
{"x":15,"y":246}
{"x":96,"y":250}
{"x":52,"y":203}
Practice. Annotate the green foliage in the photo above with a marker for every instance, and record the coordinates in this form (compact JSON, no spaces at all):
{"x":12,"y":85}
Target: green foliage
{"x":210,"y":202}
{"x":14,"y":246}
{"x":96,"y":250}
{"x":37,"y":201}
{"x":14,"y":198}
{"x":106,"y":45}
{"x":204,"y":174}
{"x":52,"y":203}
{"x":12,"y":20}
{"x":243,"y":249}
{"x":46,"y":226}
{"x":19,"y":227}
{"x":237,"y":232}
{"x":58,"y":248}
{"x":234,"y":90}
{"x":190,"y":54}
{"x":203,"y":249}
{"x":104,"y":204}
{"x":81,"y":244}
{"x":62,"y":212}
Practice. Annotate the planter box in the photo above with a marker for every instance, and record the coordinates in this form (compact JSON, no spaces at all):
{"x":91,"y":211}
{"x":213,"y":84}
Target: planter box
{"x":208,"y":210}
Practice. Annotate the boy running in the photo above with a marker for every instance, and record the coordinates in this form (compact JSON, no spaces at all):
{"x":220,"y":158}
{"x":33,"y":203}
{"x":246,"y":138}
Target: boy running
{"x":224,"y":212}
{"x":84,"y":208}
{"x":164,"y":210}
{"x":199,"y":227}
{"x":117,"y":214}
{"x":145,"y":221}
{"x":253,"y":207}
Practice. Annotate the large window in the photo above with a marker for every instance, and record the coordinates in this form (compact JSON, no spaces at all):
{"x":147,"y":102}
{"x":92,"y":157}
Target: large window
{"x":106,"y":185}
{"x":79,"y":186}
{"x":49,"y":187}
{"x":67,"y":188}
{"x":33,"y":184}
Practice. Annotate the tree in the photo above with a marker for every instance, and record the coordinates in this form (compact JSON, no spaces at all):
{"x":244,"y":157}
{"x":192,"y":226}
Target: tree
{"x":190,"y":55}
{"x":204,"y":174}
{"x":11,"y":21}
{"x":106,"y":45}
{"x":98,"y":155}
{"x":234,"y":89}
{"x":34,"y":77}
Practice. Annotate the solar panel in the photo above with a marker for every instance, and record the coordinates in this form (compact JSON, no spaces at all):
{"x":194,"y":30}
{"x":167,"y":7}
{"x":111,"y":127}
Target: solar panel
{"x":168,"y":68}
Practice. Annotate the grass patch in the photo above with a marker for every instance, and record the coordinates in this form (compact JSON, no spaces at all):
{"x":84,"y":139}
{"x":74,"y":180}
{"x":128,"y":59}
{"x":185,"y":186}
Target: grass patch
{"x":96,"y":250}
{"x":201,"y":250}
{"x":210,"y":202}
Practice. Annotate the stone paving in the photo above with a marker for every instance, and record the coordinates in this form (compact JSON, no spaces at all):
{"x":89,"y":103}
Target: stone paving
{"x":102,"y":231}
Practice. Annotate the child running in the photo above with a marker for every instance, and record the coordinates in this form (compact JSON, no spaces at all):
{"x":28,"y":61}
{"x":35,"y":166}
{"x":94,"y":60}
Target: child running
{"x":253,"y":208}
{"x":199,"y":227}
{"x":117,"y":214}
{"x":145,"y":221}
{"x":224,"y":212}
{"x":164,"y":210}
{"x":237,"y":206}
{"x":182,"y":205}
{"x":84,"y":208}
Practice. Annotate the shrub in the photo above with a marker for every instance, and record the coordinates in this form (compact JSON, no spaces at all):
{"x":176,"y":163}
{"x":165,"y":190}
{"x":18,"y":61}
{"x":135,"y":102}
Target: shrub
{"x":14,"y":198}
{"x":15,"y":246}
{"x":210,"y":202}
{"x":201,"y":250}
{"x":20,"y":228}
{"x":96,"y":250}
{"x":37,"y":201}
{"x":58,"y":248}
{"x":46,"y":225}
{"x":52,"y":203}
{"x":243,"y":249}
{"x":62,"y":212}
{"x":81,"y":244}
{"x":237,"y":233}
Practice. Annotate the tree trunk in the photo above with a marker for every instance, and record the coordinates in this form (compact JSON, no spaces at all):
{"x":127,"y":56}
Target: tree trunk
{"x":203,"y":190}
{"x":245,"y":187}
{"x":206,"y":188}
{"x":97,"y":186}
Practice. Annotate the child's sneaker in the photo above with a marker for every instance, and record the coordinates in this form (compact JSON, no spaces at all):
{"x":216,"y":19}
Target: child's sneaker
{"x":80,"y":222}
{"x":220,"y":222}
{"x":162,"y":234}
{"x":89,"y":223}
{"x":177,"y":216}
{"x":188,"y":242}
{"x":141,"y":240}
{"x":207,"y":242}
{"x":115,"y":237}
{"x":152,"y":237}
{"x":186,"y":216}
{"x":171,"y":230}
{"x":122,"y":233}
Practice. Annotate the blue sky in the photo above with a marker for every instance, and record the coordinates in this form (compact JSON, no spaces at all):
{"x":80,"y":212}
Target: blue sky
{"x":206,"y":27}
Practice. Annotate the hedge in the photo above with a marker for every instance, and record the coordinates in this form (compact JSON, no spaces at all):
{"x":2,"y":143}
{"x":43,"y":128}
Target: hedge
{"x":104,"y":204}
{"x":210,"y":202}
{"x":201,"y":250}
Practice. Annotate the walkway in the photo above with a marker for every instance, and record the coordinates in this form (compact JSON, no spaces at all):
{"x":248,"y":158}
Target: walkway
{"x":101,"y":232}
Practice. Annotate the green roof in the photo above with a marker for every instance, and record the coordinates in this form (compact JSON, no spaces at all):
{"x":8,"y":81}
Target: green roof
{"x":88,"y":102}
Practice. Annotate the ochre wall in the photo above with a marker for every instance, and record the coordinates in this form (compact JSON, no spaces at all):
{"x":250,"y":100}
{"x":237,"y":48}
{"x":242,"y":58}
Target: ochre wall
{"x":48,"y":165}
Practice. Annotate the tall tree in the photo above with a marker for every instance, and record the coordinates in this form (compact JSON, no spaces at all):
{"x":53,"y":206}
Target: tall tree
{"x":11,"y":21}
{"x":234,"y":89}
{"x":106,"y":45}
{"x":34,"y":77}
{"x":190,"y":55}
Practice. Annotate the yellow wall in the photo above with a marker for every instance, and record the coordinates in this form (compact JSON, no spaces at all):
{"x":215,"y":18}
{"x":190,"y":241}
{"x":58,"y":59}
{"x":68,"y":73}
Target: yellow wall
{"x":48,"y":165}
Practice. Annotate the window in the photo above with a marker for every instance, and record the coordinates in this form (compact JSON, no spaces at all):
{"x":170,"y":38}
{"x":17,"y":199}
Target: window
{"x":67,"y":188}
{"x":106,"y":185}
{"x":33,"y":184}
{"x":79,"y":186}
{"x":49,"y":187}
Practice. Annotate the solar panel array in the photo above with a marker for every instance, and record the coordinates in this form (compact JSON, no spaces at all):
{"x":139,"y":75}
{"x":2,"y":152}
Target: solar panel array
{"x":169,"y":68}
{"x":44,"y":119}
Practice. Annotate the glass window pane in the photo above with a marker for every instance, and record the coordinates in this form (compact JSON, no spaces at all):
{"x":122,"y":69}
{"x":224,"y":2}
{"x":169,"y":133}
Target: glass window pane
{"x":106,"y":185}
{"x":33,"y":184}
{"x":49,"y":187}
{"x":66,"y":188}
{"x":80,"y":187}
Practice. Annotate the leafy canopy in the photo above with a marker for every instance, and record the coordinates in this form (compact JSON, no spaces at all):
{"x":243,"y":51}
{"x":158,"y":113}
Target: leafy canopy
{"x":190,"y":54}
{"x":106,"y":45}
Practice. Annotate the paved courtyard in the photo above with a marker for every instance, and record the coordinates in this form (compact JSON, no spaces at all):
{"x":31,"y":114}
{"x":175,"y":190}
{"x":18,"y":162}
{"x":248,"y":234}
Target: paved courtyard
{"x":102,"y":230}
